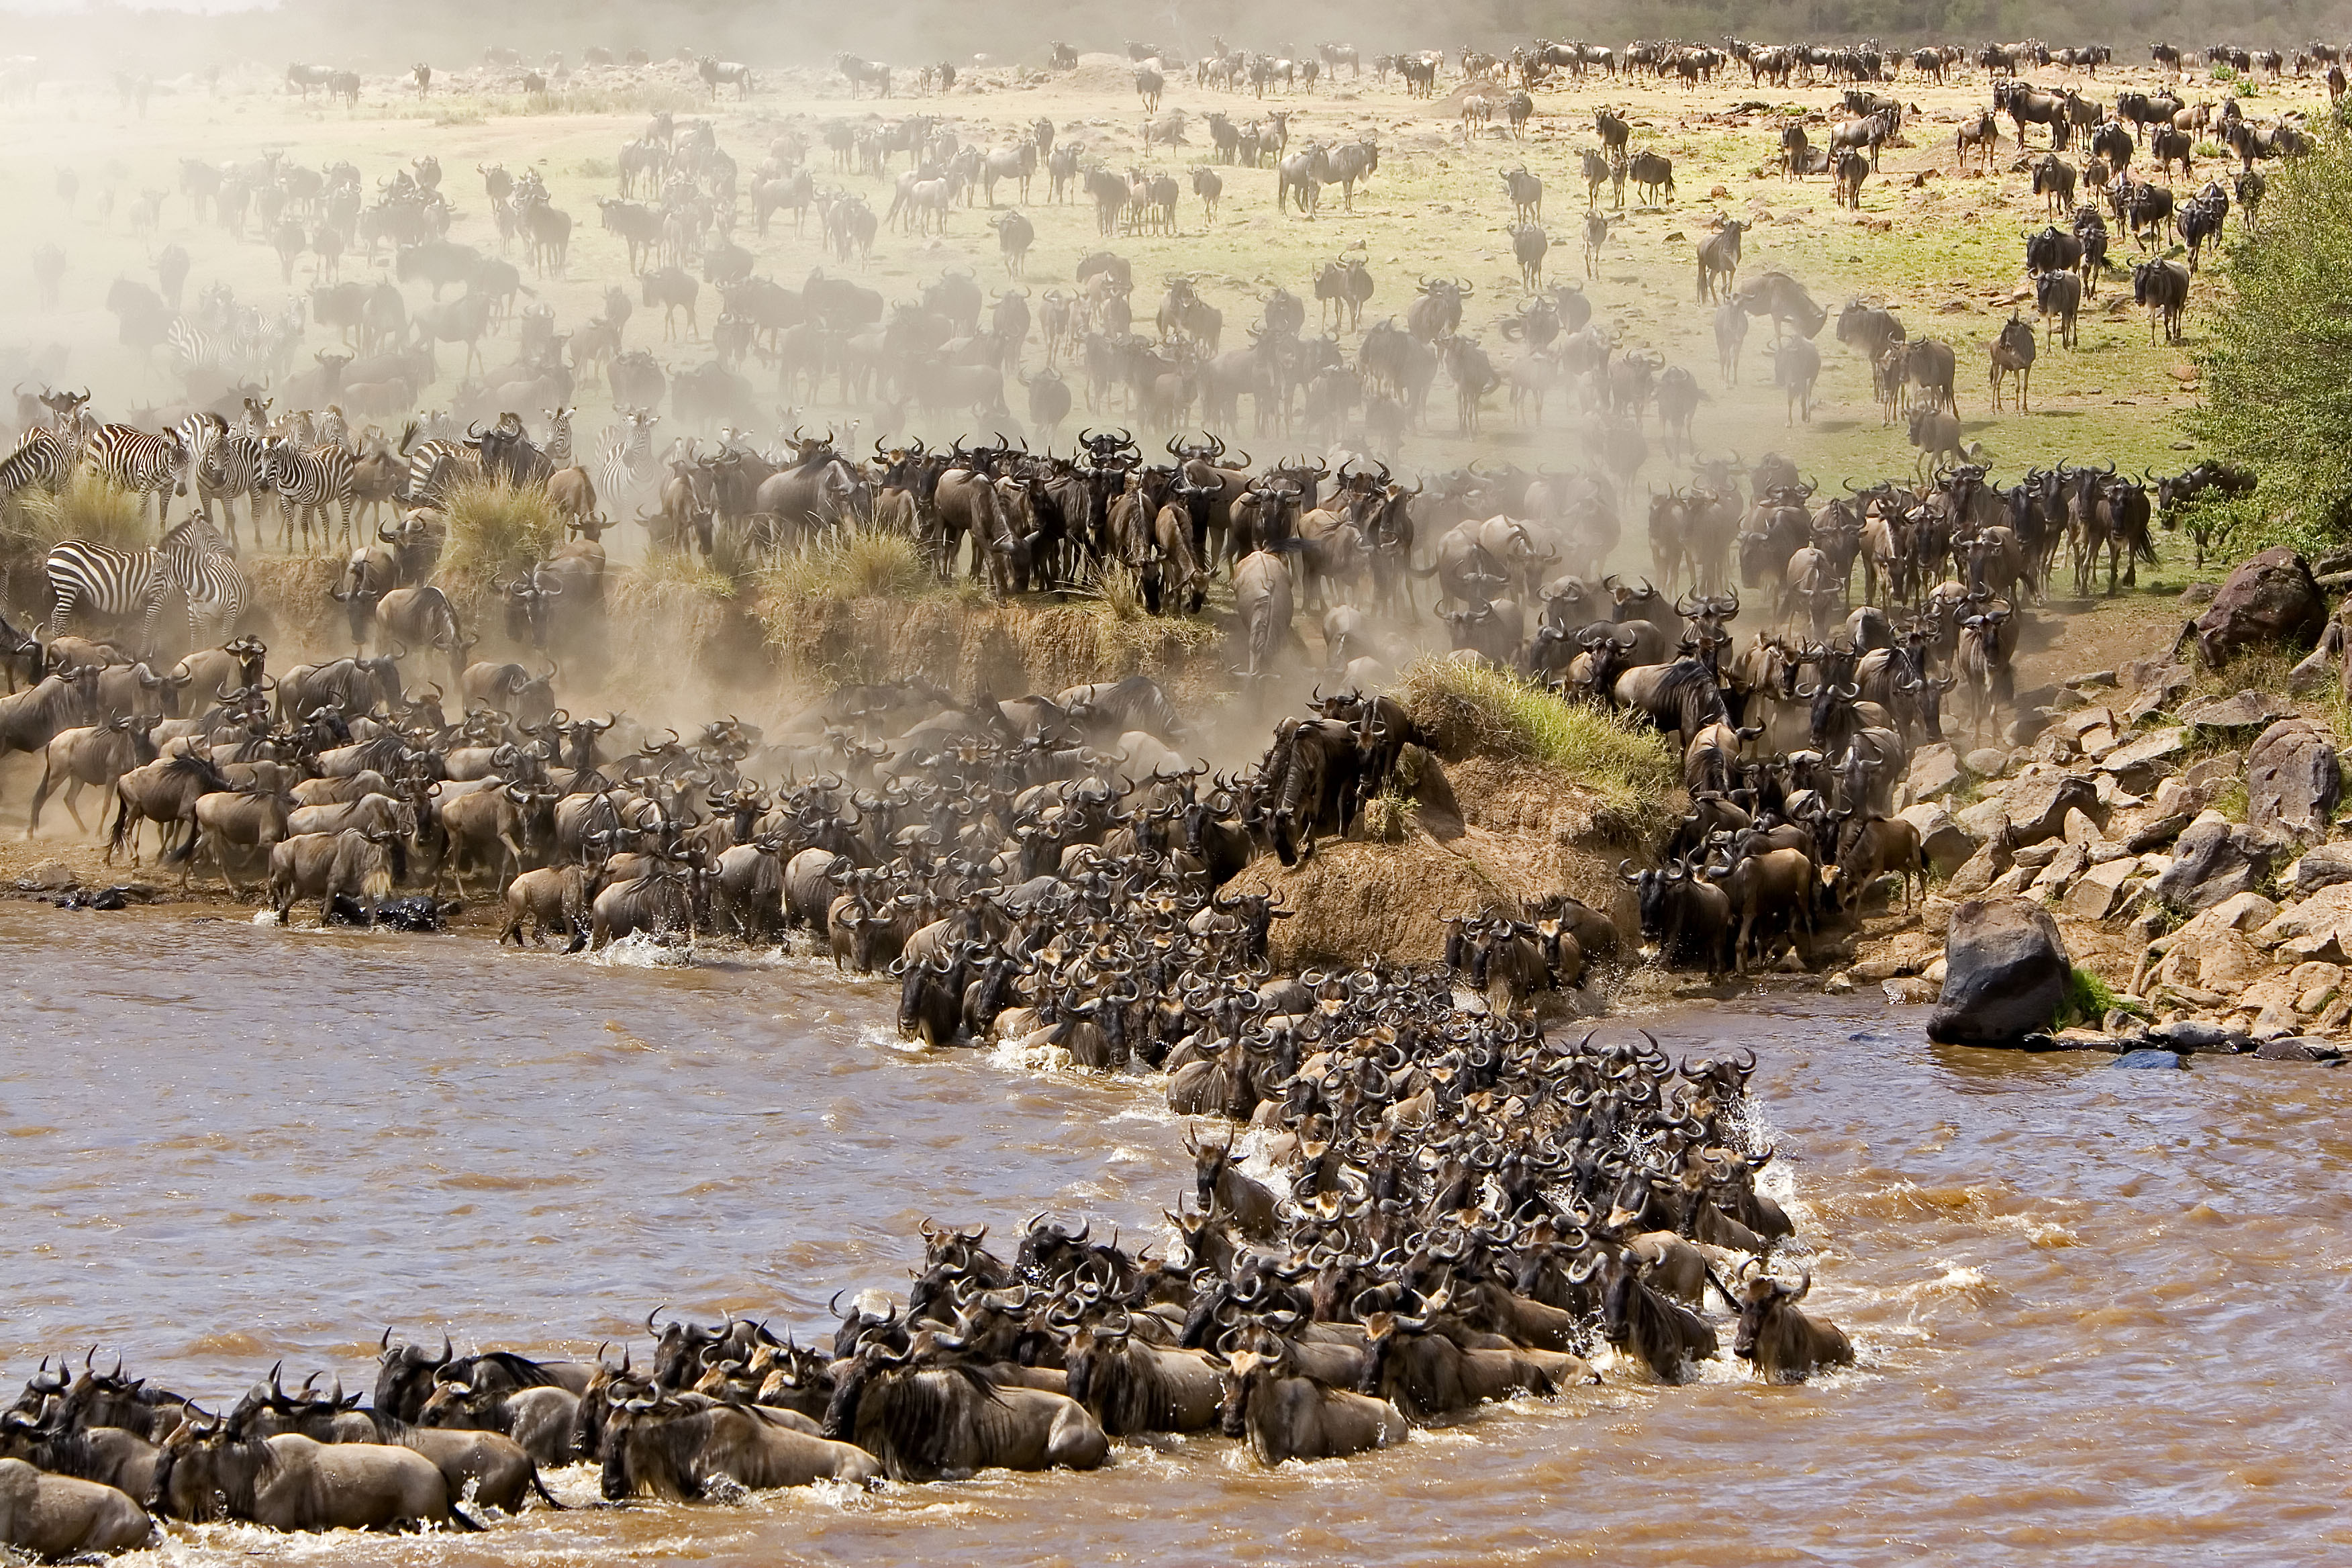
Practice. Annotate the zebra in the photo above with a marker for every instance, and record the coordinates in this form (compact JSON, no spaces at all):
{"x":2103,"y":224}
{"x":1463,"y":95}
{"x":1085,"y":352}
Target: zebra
{"x":238,"y":465}
{"x":435,"y":466}
{"x":625,"y":454}
{"x":127,"y":456}
{"x":43,"y":458}
{"x":306,"y":480}
{"x":557,"y":448}
{"x":110,"y":584}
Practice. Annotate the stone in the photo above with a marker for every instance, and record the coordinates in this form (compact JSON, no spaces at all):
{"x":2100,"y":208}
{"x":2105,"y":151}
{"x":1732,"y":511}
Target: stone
{"x":1985,"y":820}
{"x":1985,"y":761}
{"x":1935,"y":770}
{"x":2247,"y":709}
{"x":2269,"y":598}
{"x":1936,"y":918}
{"x":2322,"y":865}
{"x":2099,"y":890}
{"x":2014,"y":880}
{"x":2294,"y":781}
{"x":2078,"y":829}
{"x":2299,"y":1049}
{"x":1908,"y":993}
{"x":2139,"y":762}
{"x":2229,"y":963}
{"x":2214,"y":859}
{"x":1838,"y":985}
{"x":2198,"y":594}
{"x":2317,"y":673}
{"x":2035,"y":857}
{"x":1945,"y":842}
{"x":2064,"y":866}
{"x":2161,"y":674}
{"x":2246,"y":913}
{"x":2195,"y":1034}
{"x":49,"y":877}
{"x":2147,"y":1057}
{"x":2006,"y":974}
{"x":2157,"y":833}
{"x":2217,"y":771}
{"x":2095,"y":678}
{"x":2037,"y":806}
{"x":2318,"y":929}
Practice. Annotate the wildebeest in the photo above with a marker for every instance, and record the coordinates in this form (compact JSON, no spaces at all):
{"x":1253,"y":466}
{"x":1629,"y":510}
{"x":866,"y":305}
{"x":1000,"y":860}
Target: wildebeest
{"x":2162,"y":287}
{"x":673,"y":1446}
{"x":1288,"y":1415}
{"x":290,"y":1482}
{"x":933,"y":1423}
{"x":52,"y":1518}
{"x":1784,"y":1344}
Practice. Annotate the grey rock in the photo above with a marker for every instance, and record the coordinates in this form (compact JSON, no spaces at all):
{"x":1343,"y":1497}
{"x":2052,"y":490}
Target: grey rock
{"x":2270,"y":598}
{"x":1936,"y":772}
{"x":2138,"y":764}
{"x":2197,"y":1035}
{"x":2095,"y":678}
{"x":2322,"y":865}
{"x":2095,"y":894}
{"x":2294,"y":781}
{"x":2147,"y":1059}
{"x":49,"y":877}
{"x":2158,"y":833}
{"x":2239,"y":710}
{"x":2299,"y":1049}
{"x":2315,"y":673}
{"x":2213,"y":860}
{"x":1985,"y":761}
{"x":2037,"y":806}
{"x":1945,"y":842}
{"x":2199,"y":594}
{"x":2005,"y":975}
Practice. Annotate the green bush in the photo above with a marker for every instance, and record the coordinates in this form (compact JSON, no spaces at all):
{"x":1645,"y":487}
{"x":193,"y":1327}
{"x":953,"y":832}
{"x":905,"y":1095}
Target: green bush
{"x":2277,"y":364}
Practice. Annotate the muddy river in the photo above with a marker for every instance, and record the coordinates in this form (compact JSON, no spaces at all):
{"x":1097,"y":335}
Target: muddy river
{"x":2091,"y":1306}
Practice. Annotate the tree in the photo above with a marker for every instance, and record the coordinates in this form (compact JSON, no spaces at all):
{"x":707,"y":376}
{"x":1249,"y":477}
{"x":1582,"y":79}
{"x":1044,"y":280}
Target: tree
{"x":2277,"y":367}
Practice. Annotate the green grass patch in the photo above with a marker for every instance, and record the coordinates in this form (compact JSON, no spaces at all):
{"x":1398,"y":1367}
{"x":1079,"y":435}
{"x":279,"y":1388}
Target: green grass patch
{"x":2089,"y":999}
{"x":1474,"y":711}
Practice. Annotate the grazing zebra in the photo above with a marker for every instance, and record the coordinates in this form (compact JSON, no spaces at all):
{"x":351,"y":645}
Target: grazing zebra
{"x":625,"y":455}
{"x":557,"y":448}
{"x":333,"y":427}
{"x":127,"y":456}
{"x":113,"y":586}
{"x":43,"y":458}
{"x":238,"y":465}
{"x":306,"y":480}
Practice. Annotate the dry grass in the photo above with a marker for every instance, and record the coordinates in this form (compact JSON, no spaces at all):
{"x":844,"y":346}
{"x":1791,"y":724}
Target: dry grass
{"x":497,"y":530}
{"x":88,"y":508}
{"x":853,"y":564}
{"x":1471,"y":711}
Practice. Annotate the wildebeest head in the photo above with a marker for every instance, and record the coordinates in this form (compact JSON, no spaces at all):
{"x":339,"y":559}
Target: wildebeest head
{"x":1762,"y":1302}
{"x":405,"y":1374}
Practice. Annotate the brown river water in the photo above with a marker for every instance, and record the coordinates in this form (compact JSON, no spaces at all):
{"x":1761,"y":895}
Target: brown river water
{"x":2094,"y":1309}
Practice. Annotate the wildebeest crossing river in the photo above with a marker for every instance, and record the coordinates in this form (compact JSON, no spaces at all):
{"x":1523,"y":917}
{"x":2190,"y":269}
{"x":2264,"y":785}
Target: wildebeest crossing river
{"x":2092,"y":1308}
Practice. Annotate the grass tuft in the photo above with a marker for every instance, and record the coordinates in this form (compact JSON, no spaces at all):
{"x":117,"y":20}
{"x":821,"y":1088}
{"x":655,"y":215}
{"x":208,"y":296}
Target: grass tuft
{"x":1115,"y":592}
{"x":1470,"y":709}
{"x":857,"y":562}
{"x":497,"y":530}
{"x":88,"y":508}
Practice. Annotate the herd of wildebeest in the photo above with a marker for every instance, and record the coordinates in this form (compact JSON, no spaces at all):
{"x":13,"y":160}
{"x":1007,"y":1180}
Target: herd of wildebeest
{"x":1458,"y":1200}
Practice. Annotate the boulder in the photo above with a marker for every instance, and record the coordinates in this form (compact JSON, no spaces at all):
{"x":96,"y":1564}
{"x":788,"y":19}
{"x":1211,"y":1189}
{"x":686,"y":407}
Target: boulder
{"x":2322,"y":865}
{"x":2197,"y":1035}
{"x":2214,"y":859}
{"x":2270,"y":598}
{"x":1945,"y":842}
{"x":2095,"y":895}
{"x":2299,"y":1049}
{"x":1985,"y":761}
{"x":2247,"y":709}
{"x":49,"y":877}
{"x":2137,"y":764}
{"x":2146,"y":1057}
{"x":1935,"y":770}
{"x":2319,"y":929}
{"x":2292,"y":781}
{"x":2006,"y":970}
{"x":2037,"y":806}
{"x":1978,"y":872}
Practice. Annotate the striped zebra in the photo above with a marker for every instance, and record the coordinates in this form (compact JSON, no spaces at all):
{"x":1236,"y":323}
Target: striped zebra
{"x":149,"y":465}
{"x":43,"y":458}
{"x":435,"y":467}
{"x":307,"y":480}
{"x":113,"y":586}
{"x":625,"y":455}
{"x":557,"y":448}
{"x":238,"y":465}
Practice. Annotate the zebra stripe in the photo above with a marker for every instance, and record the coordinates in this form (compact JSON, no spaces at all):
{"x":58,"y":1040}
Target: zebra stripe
{"x":151,"y":465}
{"x":238,"y":465}
{"x":625,"y":455}
{"x":306,"y":480}
{"x":111,"y":584}
{"x":43,"y":458}
{"x":558,"y":446}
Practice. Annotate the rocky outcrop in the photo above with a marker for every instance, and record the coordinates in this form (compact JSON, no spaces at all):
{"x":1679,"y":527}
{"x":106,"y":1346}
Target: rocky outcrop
{"x":2271,"y":598}
{"x":2293,"y":782}
{"x":2214,"y":859}
{"x":2005,"y":976}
